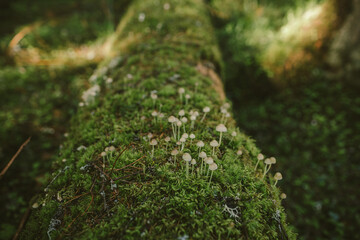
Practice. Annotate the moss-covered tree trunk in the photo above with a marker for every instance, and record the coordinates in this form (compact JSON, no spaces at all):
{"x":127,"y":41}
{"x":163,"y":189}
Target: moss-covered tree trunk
{"x":119,"y":176}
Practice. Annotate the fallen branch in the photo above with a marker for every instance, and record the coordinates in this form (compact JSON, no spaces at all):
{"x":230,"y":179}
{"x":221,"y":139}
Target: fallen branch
{"x":14,"y":157}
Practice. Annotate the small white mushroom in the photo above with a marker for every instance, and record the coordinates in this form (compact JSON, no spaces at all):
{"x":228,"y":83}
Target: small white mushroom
{"x":184,"y":121}
{"x":185,"y":135}
{"x":192,"y":137}
{"x":174,"y":152}
{"x":283,"y":196}
{"x":260,"y":157}
{"x":205,"y":110}
{"x":221,"y":128}
{"x":214,"y":144}
{"x":268,"y":162}
{"x":200,"y":144}
{"x":187,"y":97}
{"x":209,"y":160}
{"x":172,"y":120}
{"x":153,"y":142}
{"x":187,"y":158}
{"x":182,"y":140}
{"x":202,"y":155}
{"x":212,"y":167}
{"x":277,"y":177}
{"x":181,"y":113}
{"x":181,"y":92}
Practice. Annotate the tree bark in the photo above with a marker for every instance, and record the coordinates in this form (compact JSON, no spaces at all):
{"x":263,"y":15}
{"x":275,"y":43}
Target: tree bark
{"x":344,"y":53}
{"x":117,"y":176}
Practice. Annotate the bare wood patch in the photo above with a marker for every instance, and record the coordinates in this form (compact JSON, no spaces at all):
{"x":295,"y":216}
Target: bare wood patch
{"x":216,"y":81}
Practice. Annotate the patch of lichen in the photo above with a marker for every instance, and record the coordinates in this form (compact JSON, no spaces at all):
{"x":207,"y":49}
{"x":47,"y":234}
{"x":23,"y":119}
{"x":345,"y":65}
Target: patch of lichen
{"x":132,"y":193}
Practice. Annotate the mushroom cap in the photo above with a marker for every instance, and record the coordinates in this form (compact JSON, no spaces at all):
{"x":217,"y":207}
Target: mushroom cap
{"x":200,"y":144}
{"x":202,"y":155}
{"x":239,"y":152}
{"x":150,"y":135}
{"x":209,"y":160}
{"x":153,"y":95}
{"x":273,"y":160}
{"x":193,"y":161}
{"x":153,"y":142}
{"x":260,"y":157}
{"x":213,"y":166}
{"x":178,"y":123}
{"x":178,"y":143}
{"x":223,"y":111}
{"x":103,"y":154}
{"x":181,"y":90}
{"x":154,"y":113}
{"x":225,"y":105}
{"x":214,"y":143}
{"x":167,"y":139}
{"x":196,"y":113}
{"x":185,"y":135}
{"x":283,"y":196}
{"x":184,"y":120}
{"x":192,"y":136}
{"x":267,"y":161}
{"x":111,"y":148}
{"x":187,"y":96}
{"x":171,"y":119}
{"x":206,"y":109}
{"x":192,"y":117}
{"x":186,"y":157}
{"x":161,"y":115}
{"x":278,"y":176}
{"x":182,"y":112}
{"x":106,"y":149}
{"x":233,"y":134}
{"x":174,"y":152}
{"x":221,"y":128}
{"x":182,"y":139}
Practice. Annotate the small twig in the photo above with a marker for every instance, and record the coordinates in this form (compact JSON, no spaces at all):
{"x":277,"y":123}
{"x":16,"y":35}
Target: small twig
{"x":118,"y":158}
{"x":76,"y":198}
{"x":130,"y":163}
{"x":21,"y":225}
{"x":14,"y":157}
{"x":87,"y":208}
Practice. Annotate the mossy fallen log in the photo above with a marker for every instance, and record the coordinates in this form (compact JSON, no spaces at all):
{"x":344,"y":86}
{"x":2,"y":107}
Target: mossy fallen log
{"x":133,"y":166}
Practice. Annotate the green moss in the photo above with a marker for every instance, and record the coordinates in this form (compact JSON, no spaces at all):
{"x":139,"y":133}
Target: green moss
{"x":128,"y":192}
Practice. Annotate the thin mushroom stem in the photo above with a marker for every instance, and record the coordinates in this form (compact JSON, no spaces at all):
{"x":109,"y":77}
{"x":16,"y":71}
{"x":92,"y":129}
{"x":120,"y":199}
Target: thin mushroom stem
{"x":276,"y":181}
{"x":220,"y":139}
{"x":187,"y":169}
{"x":213,"y":153}
{"x":173,"y":129}
{"x":152,"y":152}
{"x":210,"y":178}
{"x":202,"y":119}
{"x":258,"y":161}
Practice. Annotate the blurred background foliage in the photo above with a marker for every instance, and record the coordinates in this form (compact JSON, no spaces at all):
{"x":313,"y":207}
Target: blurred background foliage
{"x":48,"y":50}
{"x":284,"y":95}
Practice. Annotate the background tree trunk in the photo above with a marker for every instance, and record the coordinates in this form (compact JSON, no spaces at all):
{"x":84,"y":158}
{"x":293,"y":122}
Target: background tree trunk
{"x":344,"y":53}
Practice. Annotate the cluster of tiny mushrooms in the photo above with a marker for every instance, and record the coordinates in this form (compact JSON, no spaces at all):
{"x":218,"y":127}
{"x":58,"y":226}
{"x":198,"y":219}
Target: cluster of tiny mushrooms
{"x":180,"y":134}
